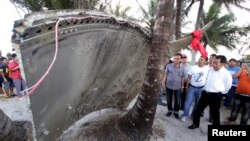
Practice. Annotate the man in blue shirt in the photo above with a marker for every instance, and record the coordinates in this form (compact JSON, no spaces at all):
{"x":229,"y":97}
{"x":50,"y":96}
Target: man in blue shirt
{"x":172,"y":84}
{"x":1,"y":78}
{"x":232,"y":68}
{"x":4,"y":72}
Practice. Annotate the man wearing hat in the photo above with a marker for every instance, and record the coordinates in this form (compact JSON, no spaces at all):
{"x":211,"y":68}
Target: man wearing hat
{"x":186,"y":67}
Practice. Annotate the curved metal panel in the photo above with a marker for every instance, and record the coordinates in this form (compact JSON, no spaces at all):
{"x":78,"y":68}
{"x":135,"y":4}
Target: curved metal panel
{"x":100,"y":64}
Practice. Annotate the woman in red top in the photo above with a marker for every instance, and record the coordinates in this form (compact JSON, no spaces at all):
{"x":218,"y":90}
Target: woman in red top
{"x":242,"y":96}
{"x":19,"y":83}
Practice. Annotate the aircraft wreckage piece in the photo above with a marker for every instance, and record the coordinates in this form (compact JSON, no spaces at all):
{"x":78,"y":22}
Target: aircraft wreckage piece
{"x":100,"y":64}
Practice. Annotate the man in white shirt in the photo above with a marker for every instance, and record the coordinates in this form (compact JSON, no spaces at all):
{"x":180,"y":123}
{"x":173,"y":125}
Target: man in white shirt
{"x":211,"y":60}
{"x":218,"y":82}
{"x":197,"y":76}
{"x":211,"y":65}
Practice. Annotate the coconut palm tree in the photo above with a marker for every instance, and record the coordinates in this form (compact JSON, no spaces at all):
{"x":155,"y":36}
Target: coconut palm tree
{"x":237,"y":3}
{"x":181,"y":5}
{"x":226,"y":3}
{"x":85,"y":4}
{"x":199,"y":14}
{"x":30,"y":5}
{"x":149,"y":15}
{"x":119,"y":10}
{"x":222,"y":32}
{"x":37,"y":5}
{"x":137,"y":123}
{"x":219,"y":3}
{"x":178,"y":18}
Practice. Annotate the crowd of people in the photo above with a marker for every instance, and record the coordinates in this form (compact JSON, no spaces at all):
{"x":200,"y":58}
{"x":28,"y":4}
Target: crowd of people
{"x":10,"y":76}
{"x":205,"y":84}
{"x":210,"y":82}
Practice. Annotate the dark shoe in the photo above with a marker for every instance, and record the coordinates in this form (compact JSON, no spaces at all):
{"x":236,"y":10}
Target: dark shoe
{"x":210,"y":120}
{"x":202,"y":114}
{"x":13,"y":94}
{"x":169,"y":114}
{"x":230,"y":123}
{"x":176,"y":116}
{"x":193,"y":127}
{"x":162,"y":104}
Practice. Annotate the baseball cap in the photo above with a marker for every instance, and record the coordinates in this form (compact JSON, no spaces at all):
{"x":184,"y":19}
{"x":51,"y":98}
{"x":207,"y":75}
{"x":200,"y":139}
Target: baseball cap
{"x":183,"y":56}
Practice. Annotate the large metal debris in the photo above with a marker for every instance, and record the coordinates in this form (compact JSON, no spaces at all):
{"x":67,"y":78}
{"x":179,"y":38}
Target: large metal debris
{"x":101,"y":63}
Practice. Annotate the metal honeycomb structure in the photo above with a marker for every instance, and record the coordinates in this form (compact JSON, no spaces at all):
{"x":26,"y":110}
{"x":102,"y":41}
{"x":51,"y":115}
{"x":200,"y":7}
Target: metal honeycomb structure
{"x":100,"y":64}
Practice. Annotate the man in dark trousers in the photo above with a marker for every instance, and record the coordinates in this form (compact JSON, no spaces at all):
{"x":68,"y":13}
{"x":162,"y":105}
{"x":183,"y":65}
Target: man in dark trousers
{"x":218,"y":83}
{"x":172,"y":84}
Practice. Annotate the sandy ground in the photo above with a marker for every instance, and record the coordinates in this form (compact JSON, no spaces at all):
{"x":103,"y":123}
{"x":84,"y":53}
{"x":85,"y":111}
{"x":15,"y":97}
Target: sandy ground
{"x":174,"y":129}
{"x":16,"y":108}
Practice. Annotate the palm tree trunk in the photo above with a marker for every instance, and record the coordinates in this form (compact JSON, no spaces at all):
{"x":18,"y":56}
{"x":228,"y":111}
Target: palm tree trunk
{"x":205,"y":44}
{"x":197,"y":26}
{"x":199,"y":15}
{"x":91,"y":4}
{"x":77,"y":4}
{"x":7,"y":128}
{"x":138,"y":122}
{"x":178,"y":20}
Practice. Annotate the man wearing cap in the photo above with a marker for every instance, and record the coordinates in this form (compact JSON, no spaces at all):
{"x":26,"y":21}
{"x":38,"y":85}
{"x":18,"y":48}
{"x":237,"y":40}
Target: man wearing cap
{"x":1,"y":78}
{"x":233,"y":69}
{"x":186,"y":67}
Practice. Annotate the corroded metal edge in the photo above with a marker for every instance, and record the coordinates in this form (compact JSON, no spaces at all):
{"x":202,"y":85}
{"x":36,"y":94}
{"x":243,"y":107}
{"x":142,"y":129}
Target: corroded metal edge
{"x":38,"y":23}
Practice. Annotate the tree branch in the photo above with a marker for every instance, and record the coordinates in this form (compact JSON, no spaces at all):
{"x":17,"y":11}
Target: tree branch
{"x":188,"y":8}
{"x":182,"y":43}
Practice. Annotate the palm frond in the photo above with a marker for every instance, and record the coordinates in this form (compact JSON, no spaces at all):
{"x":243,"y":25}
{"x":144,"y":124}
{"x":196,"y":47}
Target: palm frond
{"x":237,"y":3}
{"x":242,"y":7}
{"x":149,"y":15}
{"x":223,"y":32}
{"x":125,"y":11}
{"x":186,"y":11}
{"x":143,"y":10}
{"x":213,"y":13}
{"x":152,"y":6}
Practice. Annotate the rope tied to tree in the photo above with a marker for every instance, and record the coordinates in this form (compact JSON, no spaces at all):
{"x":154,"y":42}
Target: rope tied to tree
{"x":196,"y":44}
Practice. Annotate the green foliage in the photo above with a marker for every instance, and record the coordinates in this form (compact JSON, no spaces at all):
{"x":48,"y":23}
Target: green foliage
{"x":246,"y":58}
{"x":222,"y":32}
{"x":237,"y":3}
{"x":36,"y":5}
{"x":33,"y":5}
{"x":58,"y":4}
{"x":119,"y":10}
{"x":89,"y":4}
{"x":149,"y":15}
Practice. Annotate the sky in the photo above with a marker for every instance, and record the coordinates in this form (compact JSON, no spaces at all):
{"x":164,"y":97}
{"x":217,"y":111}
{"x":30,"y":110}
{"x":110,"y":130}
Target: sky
{"x":241,"y":20}
{"x":9,"y":14}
